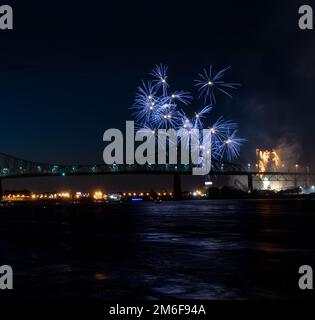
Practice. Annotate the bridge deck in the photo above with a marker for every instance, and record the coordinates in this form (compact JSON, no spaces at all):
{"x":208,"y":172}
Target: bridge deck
{"x":154,"y":172}
{"x":12,"y":167}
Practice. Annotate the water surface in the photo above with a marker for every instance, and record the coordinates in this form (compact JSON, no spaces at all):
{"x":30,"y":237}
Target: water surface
{"x":220,"y":249}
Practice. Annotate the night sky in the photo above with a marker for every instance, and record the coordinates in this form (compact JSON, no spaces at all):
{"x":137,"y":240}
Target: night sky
{"x":69,"y":72}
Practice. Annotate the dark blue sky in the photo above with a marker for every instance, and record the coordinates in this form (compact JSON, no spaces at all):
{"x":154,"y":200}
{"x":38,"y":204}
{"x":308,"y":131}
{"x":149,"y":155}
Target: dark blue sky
{"x":69,"y":71}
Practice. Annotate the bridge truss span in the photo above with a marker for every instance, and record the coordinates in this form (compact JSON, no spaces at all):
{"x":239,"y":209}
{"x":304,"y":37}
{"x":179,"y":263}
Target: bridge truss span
{"x":13,"y":167}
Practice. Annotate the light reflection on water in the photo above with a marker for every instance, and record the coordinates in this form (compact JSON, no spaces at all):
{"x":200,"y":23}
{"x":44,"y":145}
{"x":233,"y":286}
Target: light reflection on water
{"x":228,"y":249}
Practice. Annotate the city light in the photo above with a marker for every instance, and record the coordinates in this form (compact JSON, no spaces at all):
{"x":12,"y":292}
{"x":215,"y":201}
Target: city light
{"x":65,"y":195}
{"x":78,"y":195}
{"x":115,"y":197}
{"x":98,"y":195}
{"x":136,"y":199}
{"x":266,"y":183}
{"x":198,"y":193}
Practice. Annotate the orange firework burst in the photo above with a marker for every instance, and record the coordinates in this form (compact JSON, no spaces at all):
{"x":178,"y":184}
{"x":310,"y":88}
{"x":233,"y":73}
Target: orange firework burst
{"x":268,"y":160}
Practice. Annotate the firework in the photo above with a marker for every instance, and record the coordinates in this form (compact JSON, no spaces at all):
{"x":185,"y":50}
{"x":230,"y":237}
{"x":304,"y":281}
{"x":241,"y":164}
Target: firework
{"x":232,"y":145}
{"x":160,"y":77}
{"x":268,"y":160}
{"x":198,"y":124}
{"x":145,"y":103}
{"x":166,"y":118}
{"x":208,"y":83}
{"x":155,"y":108}
{"x":182,"y":96}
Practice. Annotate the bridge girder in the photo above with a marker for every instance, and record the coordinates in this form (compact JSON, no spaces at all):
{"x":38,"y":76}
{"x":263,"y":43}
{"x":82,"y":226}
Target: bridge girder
{"x":13,"y":167}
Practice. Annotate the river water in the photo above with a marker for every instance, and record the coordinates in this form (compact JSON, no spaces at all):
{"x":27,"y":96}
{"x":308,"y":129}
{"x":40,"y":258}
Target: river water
{"x":219,"y":249}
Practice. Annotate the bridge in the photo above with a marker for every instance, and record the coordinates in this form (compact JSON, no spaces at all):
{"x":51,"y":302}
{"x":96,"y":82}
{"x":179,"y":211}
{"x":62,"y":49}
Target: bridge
{"x":12,"y":168}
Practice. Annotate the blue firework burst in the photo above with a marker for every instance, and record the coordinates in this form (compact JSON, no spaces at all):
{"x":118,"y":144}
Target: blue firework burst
{"x":155,"y":108}
{"x":208,"y":83}
{"x":160,"y":78}
{"x":232,"y":145}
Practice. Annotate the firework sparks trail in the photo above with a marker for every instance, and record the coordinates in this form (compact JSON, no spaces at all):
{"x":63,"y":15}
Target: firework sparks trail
{"x":268,"y":160}
{"x":232,"y":146}
{"x":160,"y":78}
{"x":181,"y":96}
{"x":146,"y":103}
{"x":198,"y":124}
{"x":155,"y":108}
{"x":208,"y":83}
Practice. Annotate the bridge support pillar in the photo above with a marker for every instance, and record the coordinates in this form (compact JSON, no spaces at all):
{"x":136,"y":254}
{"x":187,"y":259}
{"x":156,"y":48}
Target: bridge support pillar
{"x":250,"y":183}
{"x":177,"y":187}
